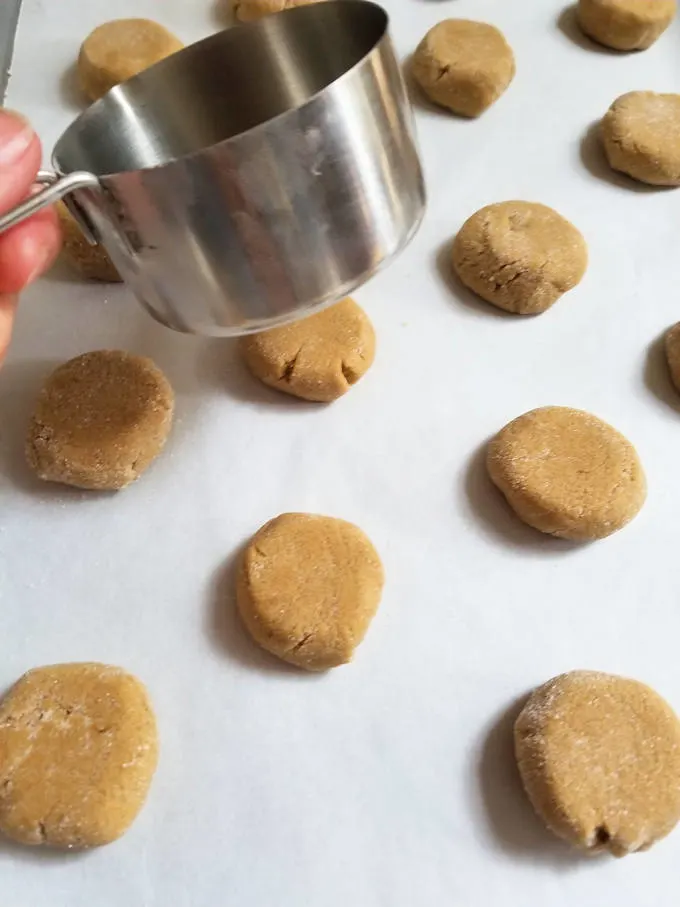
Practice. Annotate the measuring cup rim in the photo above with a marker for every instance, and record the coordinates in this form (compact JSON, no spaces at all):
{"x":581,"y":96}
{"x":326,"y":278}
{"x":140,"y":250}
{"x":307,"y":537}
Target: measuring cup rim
{"x":299,"y":11}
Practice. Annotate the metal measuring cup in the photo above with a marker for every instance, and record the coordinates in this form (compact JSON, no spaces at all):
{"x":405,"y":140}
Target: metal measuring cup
{"x":253,"y":177}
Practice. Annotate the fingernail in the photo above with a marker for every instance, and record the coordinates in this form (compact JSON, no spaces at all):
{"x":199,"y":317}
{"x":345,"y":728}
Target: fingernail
{"x":16,"y":137}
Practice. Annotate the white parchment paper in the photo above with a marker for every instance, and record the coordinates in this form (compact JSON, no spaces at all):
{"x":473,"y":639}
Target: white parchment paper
{"x":390,"y":782}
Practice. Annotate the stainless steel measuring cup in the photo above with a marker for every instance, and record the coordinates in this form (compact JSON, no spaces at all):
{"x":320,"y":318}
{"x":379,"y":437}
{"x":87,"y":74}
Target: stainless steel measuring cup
{"x":254,"y":176}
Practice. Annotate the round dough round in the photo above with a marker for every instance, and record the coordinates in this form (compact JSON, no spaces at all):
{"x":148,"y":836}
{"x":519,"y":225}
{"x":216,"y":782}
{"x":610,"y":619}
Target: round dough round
{"x":641,"y":137}
{"x":92,"y":262}
{"x":625,"y":24}
{"x":116,"y":51}
{"x":308,"y":589}
{"x":567,"y":473}
{"x":318,"y":358}
{"x":519,"y":256}
{"x":100,"y":420}
{"x":250,"y":10}
{"x":599,"y":757}
{"x":78,"y":749}
{"x":463,"y":65}
{"x":672,"y":347}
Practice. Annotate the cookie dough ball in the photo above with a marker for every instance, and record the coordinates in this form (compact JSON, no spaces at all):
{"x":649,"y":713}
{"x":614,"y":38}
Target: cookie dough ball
{"x":308,"y":588}
{"x":567,"y":473}
{"x":463,"y":65}
{"x":641,"y":137}
{"x":100,"y":420}
{"x":599,"y":757}
{"x":250,"y":10}
{"x":625,"y":24}
{"x":92,"y":262}
{"x":116,"y":51}
{"x":318,"y":358}
{"x":78,"y":749}
{"x":672,"y":347}
{"x":519,"y":256}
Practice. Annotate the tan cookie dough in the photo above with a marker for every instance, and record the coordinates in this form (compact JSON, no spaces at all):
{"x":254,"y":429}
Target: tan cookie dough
{"x":641,"y":137}
{"x":250,"y":10}
{"x":625,"y":24}
{"x":100,"y":420}
{"x":116,"y":51}
{"x":599,"y":757}
{"x":519,"y":256}
{"x":567,"y":473}
{"x":318,"y":358}
{"x":463,"y":65}
{"x":672,"y":348}
{"x":308,"y":588}
{"x":78,"y":749}
{"x":92,"y":262}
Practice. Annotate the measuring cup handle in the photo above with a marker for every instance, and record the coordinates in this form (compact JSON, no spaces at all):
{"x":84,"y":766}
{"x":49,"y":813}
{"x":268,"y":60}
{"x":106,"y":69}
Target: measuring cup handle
{"x":56,"y":187}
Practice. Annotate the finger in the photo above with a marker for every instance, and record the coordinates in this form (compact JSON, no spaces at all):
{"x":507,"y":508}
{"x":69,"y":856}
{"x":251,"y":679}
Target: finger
{"x":8,"y":305}
{"x":20,"y":155}
{"x":28,"y":249}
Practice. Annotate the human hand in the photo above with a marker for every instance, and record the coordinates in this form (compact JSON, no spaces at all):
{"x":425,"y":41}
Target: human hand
{"x":29,"y":248}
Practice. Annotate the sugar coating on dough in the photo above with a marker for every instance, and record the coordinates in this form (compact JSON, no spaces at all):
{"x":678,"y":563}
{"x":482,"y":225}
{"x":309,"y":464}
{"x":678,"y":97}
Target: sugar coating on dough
{"x":463,"y":65}
{"x":641,"y":137}
{"x":250,"y":10}
{"x":567,"y":473}
{"x":92,"y":262}
{"x":100,"y":420}
{"x":317,"y":358}
{"x":519,"y":256}
{"x":672,"y":348}
{"x":308,"y":588}
{"x":599,"y":757}
{"x":625,"y":24}
{"x":78,"y":749}
{"x":118,"y":50}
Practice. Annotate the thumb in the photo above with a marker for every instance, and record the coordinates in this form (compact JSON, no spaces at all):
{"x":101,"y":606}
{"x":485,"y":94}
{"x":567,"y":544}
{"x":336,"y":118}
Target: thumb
{"x":28,"y":248}
{"x":8,"y":304}
{"x":20,"y":155}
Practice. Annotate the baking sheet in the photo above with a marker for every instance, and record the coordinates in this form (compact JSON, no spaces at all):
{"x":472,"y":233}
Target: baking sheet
{"x":390,"y":782}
